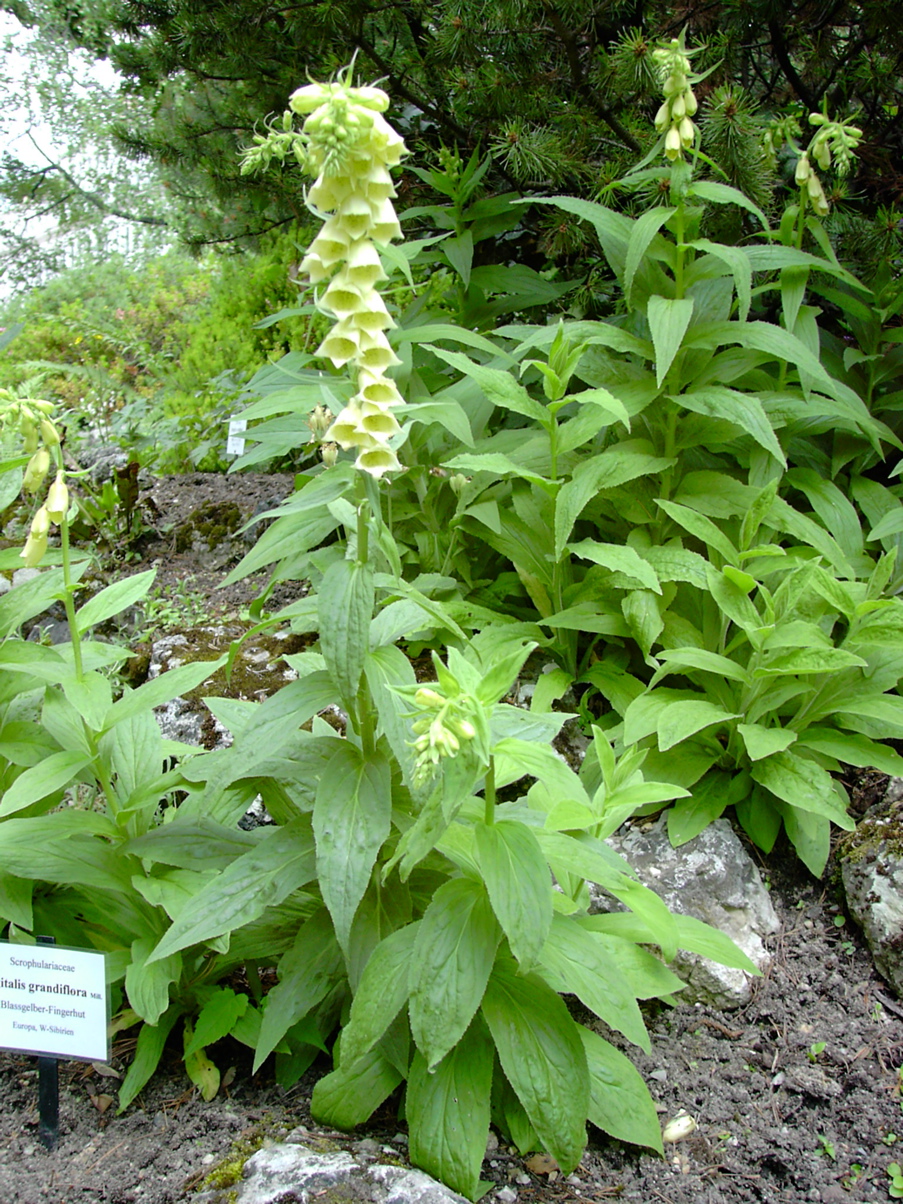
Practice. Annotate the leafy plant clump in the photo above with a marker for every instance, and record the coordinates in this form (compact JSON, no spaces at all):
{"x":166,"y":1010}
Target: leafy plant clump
{"x":668,"y":504}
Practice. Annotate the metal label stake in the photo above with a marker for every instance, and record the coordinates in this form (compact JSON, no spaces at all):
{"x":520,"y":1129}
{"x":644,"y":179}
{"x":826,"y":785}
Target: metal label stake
{"x":48,"y":1090}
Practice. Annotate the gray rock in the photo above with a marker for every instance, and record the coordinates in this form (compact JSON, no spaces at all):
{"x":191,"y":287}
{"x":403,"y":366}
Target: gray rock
{"x":871,"y":866}
{"x":294,"y":1172}
{"x":712,"y":878}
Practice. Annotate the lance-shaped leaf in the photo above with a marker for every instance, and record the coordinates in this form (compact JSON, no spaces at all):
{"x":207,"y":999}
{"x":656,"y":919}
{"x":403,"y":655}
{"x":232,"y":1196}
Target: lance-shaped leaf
{"x":519,"y":884}
{"x":351,"y":1093}
{"x":803,"y":784}
{"x":543,"y":1058}
{"x":742,"y":409}
{"x":619,"y":1100}
{"x":453,"y":955}
{"x":352,"y":818}
{"x":448,"y":1111}
{"x":668,"y":321}
{"x":282,"y":862}
{"x":147,"y":986}
{"x":381,"y":994}
{"x":345,"y":604}
{"x":574,"y":962}
{"x":307,"y":973}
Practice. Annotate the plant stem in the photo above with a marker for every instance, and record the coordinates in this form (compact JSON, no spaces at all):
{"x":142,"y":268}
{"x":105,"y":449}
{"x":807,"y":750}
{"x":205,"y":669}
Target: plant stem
{"x":68,"y":601}
{"x":489,"y":793}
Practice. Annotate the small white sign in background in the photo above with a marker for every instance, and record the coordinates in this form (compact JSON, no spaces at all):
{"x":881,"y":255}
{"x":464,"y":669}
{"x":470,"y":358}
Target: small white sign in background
{"x":53,"y":1001}
{"x":235,"y":444}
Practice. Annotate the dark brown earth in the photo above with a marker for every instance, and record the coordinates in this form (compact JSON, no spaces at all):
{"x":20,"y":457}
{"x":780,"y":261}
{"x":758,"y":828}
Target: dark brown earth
{"x":797,"y":1097}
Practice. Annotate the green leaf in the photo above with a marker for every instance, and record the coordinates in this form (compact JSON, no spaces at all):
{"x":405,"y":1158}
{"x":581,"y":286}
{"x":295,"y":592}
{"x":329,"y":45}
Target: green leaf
{"x":114,"y":599}
{"x":802,"y":783}
{"x":148,"y":1051}
{"x":517,"y":879}
{"x":543,"y":1058}
{"x":738,"y":263}
{"x":307,"y":973}
{"x":809,"y":660}
{"x":576,"y":962}
{"x":351,"y":820}
{"x":199,"y":1068}
{"x":169,"y":685}
{"x":619,"y":1100}
{"x":668,"y":322}
{"x":92,"y":697}
{"x":345,"y":606}
{"x":453,"y":955}
{"x":680,"y":720}
{"x":762,"y":741}
{"x":268,"y":873}
{"x":810,"y":835}
{"x":619,"y":558}
{"x":644,"y":229}
{"x":689,"y":816}
{"x":459,"y":253}
{"x":353,"y":1091}
{"x":760,"y":818}
{"x":381,"y":993}
{"x":852,"y":750}
{"x":742,"y":409}
{"x":15,"y":900}
{"x":147,"y":986}
{"x":643,"y":616}
{"x":701,"y":526}
{"x":607,"y":470}
{"x":724,"y":194}
{"x":448,"y":1111}
{"x":54,"y":773}
{"x":499,"y":386}
{"x":703,"y":661}
{"x":217,"y":1018}
{"x":698,"y":937}
{"x":733,"y":602}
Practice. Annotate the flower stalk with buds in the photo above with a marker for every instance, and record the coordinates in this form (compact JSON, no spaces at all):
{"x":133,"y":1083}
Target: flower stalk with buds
{"x":674,"y":118}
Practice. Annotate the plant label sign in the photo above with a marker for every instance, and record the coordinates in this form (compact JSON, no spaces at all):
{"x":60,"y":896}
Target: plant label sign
{"x":53,"y":1002}
{"x":235,"y":444}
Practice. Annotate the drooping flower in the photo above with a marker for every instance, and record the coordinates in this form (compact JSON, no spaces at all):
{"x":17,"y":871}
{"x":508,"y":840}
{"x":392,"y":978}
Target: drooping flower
{"x":674,"y":117}
{"x":350,"y":146}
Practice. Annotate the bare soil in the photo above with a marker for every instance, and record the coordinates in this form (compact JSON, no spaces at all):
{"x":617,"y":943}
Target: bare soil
{"x":796,"y":1098}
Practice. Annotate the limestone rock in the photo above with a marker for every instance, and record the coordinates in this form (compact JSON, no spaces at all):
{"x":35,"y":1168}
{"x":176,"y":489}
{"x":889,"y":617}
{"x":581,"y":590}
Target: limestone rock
{"x":294,"y":1172}
{"x":712,"y":878}
{"x":871,"y":864}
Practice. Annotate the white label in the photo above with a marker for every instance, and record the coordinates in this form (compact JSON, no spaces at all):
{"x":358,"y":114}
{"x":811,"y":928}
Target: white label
{"x":53,"y":1001}
{"x":235,"y":445}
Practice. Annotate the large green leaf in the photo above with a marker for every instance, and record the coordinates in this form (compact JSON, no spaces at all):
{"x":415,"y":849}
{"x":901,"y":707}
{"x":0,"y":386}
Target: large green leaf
{"x":55,"y":772}
{"x":115,"y":598}
{"x":619,"y":558}
{"x":680,"y":720}
{"x":162,"y":689}
{"x":742,"y":409}
{"x":448,"y":1111}
{"x":542,"y":1055}
{"x":148,"y":1051}
{"x":147,"y":986}
{"x":453,"y":955}
{"x":619,"y":1100}
{"x":803,"y":784}
{"x":307,"y":973}
{"x":500,"y":387}
{"x":519,"y":885}
{"x":381,"y":993}
{"x":643,"y":231}
{"x":574,"y":962}
{"x":352,"y":818}
{"x":345,"y":606}
{"x":353,"y":1091}
{"x":268,"y":873}
{"x":668,"y":321}
{"x":607,"y":470}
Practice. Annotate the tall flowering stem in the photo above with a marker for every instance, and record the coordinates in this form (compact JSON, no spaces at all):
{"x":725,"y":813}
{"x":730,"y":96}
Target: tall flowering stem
{"x":350,"y":147}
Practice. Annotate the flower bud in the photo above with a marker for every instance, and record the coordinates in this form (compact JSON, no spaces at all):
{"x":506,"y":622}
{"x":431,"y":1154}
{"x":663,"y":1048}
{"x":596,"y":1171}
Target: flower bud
{"x":36,"y":544}
{"x":679,"y":107}
{"x":36,"y":470}
{"x":57,"y":504}
{"x":329,"y":453}
{"x":673,"y":144}
{"x":427,"y":698}
{"x":801,"y":175}
{"x":49,"y":433}
{"x":663,"y":117}
{"x":309,"y":98}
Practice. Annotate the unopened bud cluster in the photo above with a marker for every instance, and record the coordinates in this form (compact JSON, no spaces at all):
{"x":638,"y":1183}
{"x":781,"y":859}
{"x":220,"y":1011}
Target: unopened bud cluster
{"x":41,"y":440}
{"x":351,"y":147}
{"x":441,"y":730}
{"x":834,"y":144}
{"x":675,"y":117}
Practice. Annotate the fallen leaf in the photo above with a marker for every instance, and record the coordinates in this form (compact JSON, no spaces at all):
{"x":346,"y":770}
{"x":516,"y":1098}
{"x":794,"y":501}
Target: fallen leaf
{"x":541,"y":1164}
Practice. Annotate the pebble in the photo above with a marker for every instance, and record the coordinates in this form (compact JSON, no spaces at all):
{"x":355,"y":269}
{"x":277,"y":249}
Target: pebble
{"x":207,"y":1159}
{"x":660,"y":1076}
{"x":506,"y":1195}
{"x":523,"y":1180}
